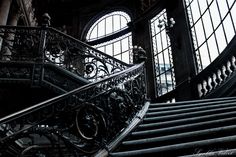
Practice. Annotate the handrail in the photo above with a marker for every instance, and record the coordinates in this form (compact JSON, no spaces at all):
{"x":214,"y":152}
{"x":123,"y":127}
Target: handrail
{"x":135,"y":121}
{"x":108,"y":105}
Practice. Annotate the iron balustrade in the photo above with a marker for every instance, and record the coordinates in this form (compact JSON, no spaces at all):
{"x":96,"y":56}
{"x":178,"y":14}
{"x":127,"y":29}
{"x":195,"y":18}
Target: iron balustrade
{"x":46,"y":44}
{"x":78,"y":122}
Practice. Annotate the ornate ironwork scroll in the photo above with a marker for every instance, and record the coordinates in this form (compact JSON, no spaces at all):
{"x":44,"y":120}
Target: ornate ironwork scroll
{"x":78,"y":57}
{"x":81,"y":121}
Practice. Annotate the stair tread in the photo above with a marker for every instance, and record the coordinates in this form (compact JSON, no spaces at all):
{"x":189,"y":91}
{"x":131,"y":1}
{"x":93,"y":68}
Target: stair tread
{"x":168,"y":130}
{"x":179,"y":136}
{"x":175,"y":147}
{"x":181,"y":106}
{"x":198,"y":126}
{"x":192,"y":109}
{"x":187,"y":120}
{"x":190,"y":114}
{"x":224,"y":99}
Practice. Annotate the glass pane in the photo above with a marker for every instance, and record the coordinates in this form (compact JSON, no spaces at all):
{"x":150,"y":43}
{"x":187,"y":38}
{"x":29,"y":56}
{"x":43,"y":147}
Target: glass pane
{"x":230,"y":2}
{"x":101,"y":49}
{"x":195,"y":11}
{"x":215,"y":14}
{"x":233,"y":13}
{"x":204,"y":55}
{"x":109,"y":25}
{"x":223,"y":7}
{"x":164,"y":40}
{"x":203,"y":5}
{"x":118,"y":57}
{"x":125,"y":57}
{"x":207,"y":24}
{"x":117,"y":48}
{"x":200,"y":33}
{"x":220,"y":38}
{"x":213,"y":47}
{"x":123,"y":22}
{"x":125,"y":44}
{"x":116,"y":19}
{"x":228,"y":26}
{"x":94,"y":33}
{"x":158,"y":41}
{"x":101,"y":28}
{"x":109,"y":49}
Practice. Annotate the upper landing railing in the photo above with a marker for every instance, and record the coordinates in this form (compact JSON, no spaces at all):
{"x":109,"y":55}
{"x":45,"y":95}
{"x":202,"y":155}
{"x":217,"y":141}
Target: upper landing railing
{"x":46,"y":44}
{"x":216,"y":80}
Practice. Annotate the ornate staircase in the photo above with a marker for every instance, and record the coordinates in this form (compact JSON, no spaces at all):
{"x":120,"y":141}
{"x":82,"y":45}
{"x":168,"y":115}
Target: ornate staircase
{"x":98,"y":98}
{"x":95,"y":89}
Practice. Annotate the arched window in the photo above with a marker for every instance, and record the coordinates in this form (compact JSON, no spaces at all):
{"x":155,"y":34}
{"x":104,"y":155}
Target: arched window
{"x":213,"y":25}
{"x":112,"y":36}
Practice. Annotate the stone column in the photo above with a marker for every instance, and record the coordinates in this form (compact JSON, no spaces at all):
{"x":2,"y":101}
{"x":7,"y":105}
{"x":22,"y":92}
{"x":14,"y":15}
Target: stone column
{"x":141,"y":37}
{"x":13,"y":18}
{"x":4,"y":11}
{"x":183,"y":51}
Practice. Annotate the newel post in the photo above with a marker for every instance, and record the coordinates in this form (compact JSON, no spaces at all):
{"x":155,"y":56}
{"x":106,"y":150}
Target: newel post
{"x":140,"y":56}
{"x":38,"y":70}
{"x":42,"y":43}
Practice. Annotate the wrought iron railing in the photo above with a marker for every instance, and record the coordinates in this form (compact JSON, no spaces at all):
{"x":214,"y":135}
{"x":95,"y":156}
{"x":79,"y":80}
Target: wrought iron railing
{"x":46,"y":44}
{"x":78,"y":122}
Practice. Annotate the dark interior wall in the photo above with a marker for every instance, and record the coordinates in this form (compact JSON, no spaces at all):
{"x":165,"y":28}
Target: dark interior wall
{"x":79,"y":15}
{"x":16,"y":97}
{"x":182,"y":48}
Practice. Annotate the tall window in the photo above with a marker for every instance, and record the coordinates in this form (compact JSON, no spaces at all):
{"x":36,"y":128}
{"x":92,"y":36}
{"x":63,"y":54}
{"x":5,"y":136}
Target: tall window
{"x":113,"y":25}
{"x":213,"y":25}
{"x":162,"y":54}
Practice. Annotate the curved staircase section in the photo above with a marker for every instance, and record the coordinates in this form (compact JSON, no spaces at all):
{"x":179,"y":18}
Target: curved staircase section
{"x":218,"y":79}
{"x":182,"y":129}
{"x":76,"y":123}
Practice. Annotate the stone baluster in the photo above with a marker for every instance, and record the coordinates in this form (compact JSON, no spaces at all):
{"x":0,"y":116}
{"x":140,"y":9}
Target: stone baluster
{"x":208,"y":84}
{"x":213,"y":83}
{"x":228,"y":72}
{"x":222,"y":75}
{"x":203,"y":89}
{"x":233,"y":66}
{"x":218,"y":79}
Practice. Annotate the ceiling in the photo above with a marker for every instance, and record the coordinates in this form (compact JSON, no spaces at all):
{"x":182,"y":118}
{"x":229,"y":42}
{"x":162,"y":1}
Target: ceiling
{"x":63,"y":10}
